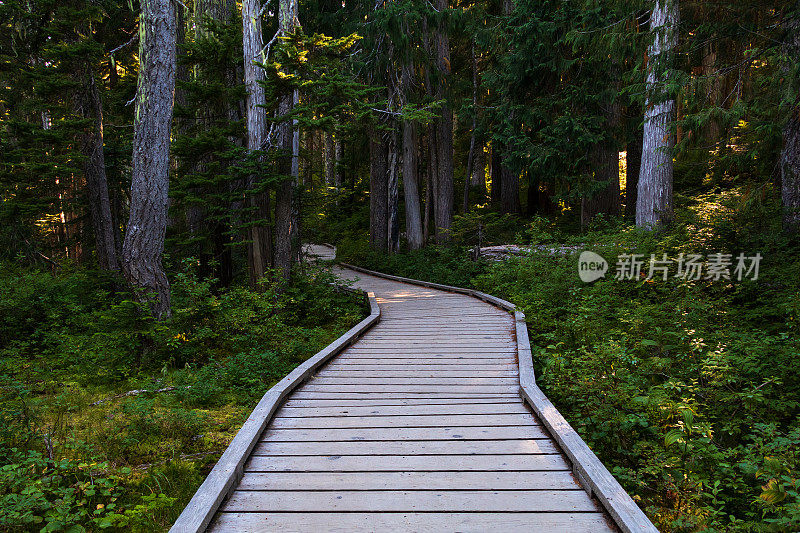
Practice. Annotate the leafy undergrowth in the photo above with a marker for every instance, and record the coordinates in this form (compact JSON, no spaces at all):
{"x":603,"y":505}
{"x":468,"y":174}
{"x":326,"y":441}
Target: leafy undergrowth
{"x":689,"y":391}
{"x":78,"y":450}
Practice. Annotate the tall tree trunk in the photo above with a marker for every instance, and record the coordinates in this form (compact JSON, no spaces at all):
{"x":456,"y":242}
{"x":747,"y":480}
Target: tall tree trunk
{"x":410,"y":178}
{"x":471,"y":153}
{"x":392,"y":202}
{"x":509,"y":190}
{"x":479,"y":170}
{"x":411,"y":186}
{"x":286,"y":230}
{"x":509,"y":181}
{"x":444,"y":132}
{"x":378,"y":192}
{"x":259,"y":246}
{"x":790,"y":156}
{"x":654,"y":201}
{"x":605,"y":168}
{"x":338,"y":180}
{"x":147,"y":225}
{"x":96,"y":180}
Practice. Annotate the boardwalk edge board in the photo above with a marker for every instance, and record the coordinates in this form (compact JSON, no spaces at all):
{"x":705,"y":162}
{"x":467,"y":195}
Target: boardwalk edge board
{"x":223,"y":478}
{"x":593,"y":476}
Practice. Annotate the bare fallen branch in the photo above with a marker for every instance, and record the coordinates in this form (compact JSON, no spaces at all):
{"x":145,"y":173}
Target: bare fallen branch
{"x":135,"y":393}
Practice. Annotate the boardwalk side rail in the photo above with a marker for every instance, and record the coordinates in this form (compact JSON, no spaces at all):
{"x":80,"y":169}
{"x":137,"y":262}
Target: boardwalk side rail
{"x":225,"y":475}
{"x":593,"y":476}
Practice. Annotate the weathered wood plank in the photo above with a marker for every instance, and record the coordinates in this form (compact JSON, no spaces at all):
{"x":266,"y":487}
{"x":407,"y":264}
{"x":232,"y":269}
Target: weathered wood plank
{"x":331,"y":394}
{"x":419,"y":522}
{"x":398,"y":434}
{"x":421,"y":500}
{"x":508,"y":367}
{"x":426,"y":447}
{"x":403,"y":421}
{"x":407,"y":389}
{"x":368,"y":401}
{"x":405,"y":410}
{"x":418,"y":380}
{"x":403,"y":463}
{"x":293,"y":481}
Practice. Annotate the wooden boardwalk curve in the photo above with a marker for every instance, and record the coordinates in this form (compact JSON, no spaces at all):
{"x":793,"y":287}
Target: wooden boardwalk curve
{"x":417,"y":426}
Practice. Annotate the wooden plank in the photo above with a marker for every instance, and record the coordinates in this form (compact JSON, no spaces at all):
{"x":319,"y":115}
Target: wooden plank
{"x":417,"y":367}
{"x":457,"y":372}
{"x":481,"y":480}
{"x":398,"y":434}
{"x":363,"y":402}
{"x":417,"y":380}
{"x":403,"y":463}
{"x":332,"y":394}
{"x":496,"y":362}
{"x":406,"y":410}
{"x":403,"y":421}
{"x":418,"y":522}
{"x":406,"y":389}
{"x":413,"y":447}
{"x":420,"y":500}
{"x":433,"y":351}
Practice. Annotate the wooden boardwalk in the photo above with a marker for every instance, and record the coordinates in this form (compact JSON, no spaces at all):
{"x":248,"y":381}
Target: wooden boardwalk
{"x":418,"y":426}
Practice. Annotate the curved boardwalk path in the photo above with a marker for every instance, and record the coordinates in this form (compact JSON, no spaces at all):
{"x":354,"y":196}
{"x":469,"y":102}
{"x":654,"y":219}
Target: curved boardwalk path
{"x":418,"y":426}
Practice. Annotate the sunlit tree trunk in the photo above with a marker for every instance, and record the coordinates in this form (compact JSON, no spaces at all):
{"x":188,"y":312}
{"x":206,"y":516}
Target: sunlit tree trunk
{"x":144,"y":238}
{"x":654,"y":201}
{"x":260,"y":242}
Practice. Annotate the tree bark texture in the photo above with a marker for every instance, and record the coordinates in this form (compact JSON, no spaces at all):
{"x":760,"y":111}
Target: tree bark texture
{"x":414,"y":234}
{"x":654,"y":201}
{"x":286,"y":218}
{"x":259,"y":245}
{"x":443,"y":212}
{"x":509,"y":190}
{"x":410,"y":177}
{"x":96,"y":180}
{"x":604,"y":160}
{"x":790,"y":156}
{"x":147,"y":224}
{"x":378,"y":193}
{"x":393,"y":215}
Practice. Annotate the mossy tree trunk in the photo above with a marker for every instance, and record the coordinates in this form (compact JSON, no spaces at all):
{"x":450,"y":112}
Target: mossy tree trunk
{"x":147,"y":224}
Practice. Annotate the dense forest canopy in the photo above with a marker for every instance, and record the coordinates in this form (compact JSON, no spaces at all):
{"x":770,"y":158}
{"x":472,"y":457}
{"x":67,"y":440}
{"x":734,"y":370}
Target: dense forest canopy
{"x":172,"y":157}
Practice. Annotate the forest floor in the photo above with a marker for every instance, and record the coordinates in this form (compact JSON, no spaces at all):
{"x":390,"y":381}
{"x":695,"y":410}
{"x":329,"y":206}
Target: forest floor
{"x":108,"y":419}
{"x":688,"y":390}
